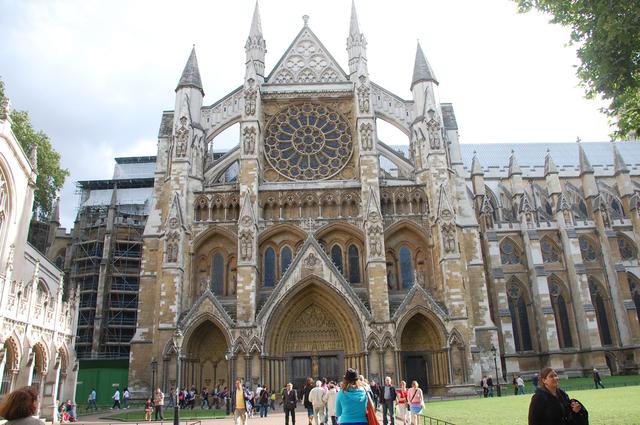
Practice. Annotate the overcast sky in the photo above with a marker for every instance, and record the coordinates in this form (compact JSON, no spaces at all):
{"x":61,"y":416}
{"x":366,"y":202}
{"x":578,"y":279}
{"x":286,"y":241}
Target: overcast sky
{"x":96,"y":75}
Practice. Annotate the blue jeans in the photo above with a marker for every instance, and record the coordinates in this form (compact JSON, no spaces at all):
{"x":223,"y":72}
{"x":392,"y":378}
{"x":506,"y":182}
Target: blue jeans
{"x":264,"y":409}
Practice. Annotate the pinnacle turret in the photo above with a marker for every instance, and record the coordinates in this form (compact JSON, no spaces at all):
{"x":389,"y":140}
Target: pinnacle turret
{"x":256,"y":47}
{"x":618,"y":162}
{"x":549,"y":164}
{"x":354,"y":28}
{"x":514,"y":168}
{"x":585,"y":165}
{"x":356,"y":45}
{"x":476,"y":168}
{"x":55,"y":215}
{"x":421,"y":69}
{"x":191,"y":73}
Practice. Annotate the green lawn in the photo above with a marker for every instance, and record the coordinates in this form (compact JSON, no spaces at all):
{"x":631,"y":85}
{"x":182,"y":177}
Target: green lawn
{"x":617,"y":406}
{"x":137,"y":415}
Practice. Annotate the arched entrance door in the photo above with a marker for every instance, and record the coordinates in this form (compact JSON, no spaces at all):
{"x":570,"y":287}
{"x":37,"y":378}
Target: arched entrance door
{"x":423,"y":353}
{"x":313,"y":333}
{"x":204,"y":363}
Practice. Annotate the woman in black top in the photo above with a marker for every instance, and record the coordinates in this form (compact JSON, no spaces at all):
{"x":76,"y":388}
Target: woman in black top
{"x":552,"y":406}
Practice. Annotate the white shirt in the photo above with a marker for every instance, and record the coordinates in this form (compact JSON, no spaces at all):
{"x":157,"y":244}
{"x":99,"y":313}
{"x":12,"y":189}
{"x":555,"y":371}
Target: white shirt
{"x":116,"y":396}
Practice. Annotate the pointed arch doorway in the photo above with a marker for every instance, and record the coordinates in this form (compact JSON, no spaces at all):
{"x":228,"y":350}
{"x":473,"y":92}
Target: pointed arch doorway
{"x":313,"y":333}
{"x":203,"y":363}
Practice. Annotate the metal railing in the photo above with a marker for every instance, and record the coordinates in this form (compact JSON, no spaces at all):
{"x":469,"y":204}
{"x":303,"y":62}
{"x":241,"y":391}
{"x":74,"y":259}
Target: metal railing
{"x":428,"y":420}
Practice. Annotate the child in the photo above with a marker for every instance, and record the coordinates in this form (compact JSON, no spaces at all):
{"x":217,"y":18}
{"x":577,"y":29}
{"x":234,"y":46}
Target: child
{"x":147,"y":410}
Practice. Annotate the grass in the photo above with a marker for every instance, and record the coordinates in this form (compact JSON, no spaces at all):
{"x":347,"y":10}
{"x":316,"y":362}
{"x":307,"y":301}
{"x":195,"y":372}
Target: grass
{"x":137,"y":415}
{"x":604,"y":406}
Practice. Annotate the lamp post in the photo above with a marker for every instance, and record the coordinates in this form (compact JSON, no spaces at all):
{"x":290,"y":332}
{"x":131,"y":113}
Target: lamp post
{"x":178,"y":338}
{"x":154,"y":369}
{"x":495,"y":364}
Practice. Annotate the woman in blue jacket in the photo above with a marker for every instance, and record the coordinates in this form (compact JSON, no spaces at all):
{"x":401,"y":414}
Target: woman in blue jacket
{"x":351,"y":401}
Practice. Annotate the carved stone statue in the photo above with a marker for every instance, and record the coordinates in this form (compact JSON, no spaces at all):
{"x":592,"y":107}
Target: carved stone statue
{"x":375,"y":246}
{"x":449,"y":238}
{"x":366,"y":136}
{"x":363,"y":98}
{"x":249,"y":139}
{"x":182,"y":138}
{"x":435,"y":136}
{"x":246,"y":245}
{"x":250,"y":95}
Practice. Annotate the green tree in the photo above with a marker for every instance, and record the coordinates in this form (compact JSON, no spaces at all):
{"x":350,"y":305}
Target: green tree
{"x":607,"y":36}
{"x":51,"y":175}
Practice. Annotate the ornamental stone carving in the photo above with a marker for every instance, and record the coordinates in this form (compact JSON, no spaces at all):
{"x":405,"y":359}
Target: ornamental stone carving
{"x":363,"y":99}
{"x":366,"y":136}
{"x":375,"y":245}
{"x":250,"y":96}
{"x":249,"y":140}
{"x":308,"y":141}
{"x":435,"y":135}
{"x":449,"y":238}
{"x":246,"y":245}
{"x":182,"y":138}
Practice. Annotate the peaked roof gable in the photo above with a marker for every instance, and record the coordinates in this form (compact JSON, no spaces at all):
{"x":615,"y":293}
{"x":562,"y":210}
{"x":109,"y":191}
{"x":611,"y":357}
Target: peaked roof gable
{"x":311,"y":260}
{"x":307,"y":61}
{"x":207,"y":303}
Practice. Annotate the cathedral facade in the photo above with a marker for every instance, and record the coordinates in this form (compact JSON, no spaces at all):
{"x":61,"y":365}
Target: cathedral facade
{"x":312,"y":246}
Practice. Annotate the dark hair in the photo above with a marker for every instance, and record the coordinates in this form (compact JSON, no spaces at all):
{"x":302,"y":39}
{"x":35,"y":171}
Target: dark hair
{"x":350,"y":379}
{"x":19,"y":404}
{"x":545,"y":372}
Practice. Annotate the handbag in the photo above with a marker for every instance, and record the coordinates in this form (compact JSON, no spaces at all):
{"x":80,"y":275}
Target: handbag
{"x":372,"y":419}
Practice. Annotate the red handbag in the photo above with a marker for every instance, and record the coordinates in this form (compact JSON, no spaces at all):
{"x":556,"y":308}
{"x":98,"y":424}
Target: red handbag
{"x":372,"y":419}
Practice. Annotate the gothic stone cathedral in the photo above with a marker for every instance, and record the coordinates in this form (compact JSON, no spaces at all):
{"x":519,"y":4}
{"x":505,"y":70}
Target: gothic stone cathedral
{"x":297,"y":253}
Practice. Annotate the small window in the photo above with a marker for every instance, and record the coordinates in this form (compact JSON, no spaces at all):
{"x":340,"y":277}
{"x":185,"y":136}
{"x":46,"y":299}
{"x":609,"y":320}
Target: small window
{"x":627,"y":250}
{"x":269,"y":267}
{"x":550,"y":253}
{"x":406,"y":267}
{"x":285,"y":260}
{"x":217,"y":282}
{"x":336,"y":257}
{"x":354,"y":264}
{"x":587,"y":250}
{"x":509,"y":253}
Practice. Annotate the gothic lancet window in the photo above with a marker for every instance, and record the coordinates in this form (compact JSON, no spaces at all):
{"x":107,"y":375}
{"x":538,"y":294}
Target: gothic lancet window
{"x":634,"y":288}
{"x":627,"y":249}
{"x":598,"y":301}
{"x":560,"y":313}
{"x":336,"y":257}
{"x":269,"y":268}
{"x":587,"y":249}
{"x":354,"y":264}
{"x":509,"y":253}
{"x":616,"y":209}
{"x":285,"y":259}
{"x":217,"y":274}
{"x":406,"y":268}
{"x":550,"y":253}
{"x":519,"y":317}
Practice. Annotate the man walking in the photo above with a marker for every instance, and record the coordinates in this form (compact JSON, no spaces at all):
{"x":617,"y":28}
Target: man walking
{"x":158,"y":404}
{"x":290,"y":402}
{"x":116,"y":399}
{"x":317,"y":399}
{"x":596,"y":378}
{"x":92,"y":400}
{"x":239,"y":398}
{"x":388,"y":402}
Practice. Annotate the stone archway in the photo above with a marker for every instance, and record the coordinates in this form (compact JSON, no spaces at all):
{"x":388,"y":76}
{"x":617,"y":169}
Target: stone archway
{"x":203,"y":363}
{"x":423,"y":353}
{"x":312,"y":333}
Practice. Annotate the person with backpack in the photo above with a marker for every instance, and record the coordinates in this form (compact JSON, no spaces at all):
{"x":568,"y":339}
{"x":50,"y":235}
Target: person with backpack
{"x":263,"y":401}
{"x":550,"y":405}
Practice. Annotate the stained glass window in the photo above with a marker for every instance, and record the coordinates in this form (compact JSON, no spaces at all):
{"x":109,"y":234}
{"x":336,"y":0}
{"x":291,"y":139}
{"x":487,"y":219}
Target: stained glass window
{"x":354,"y":264}
{"x":550,"y":253}
{"x":560,"y":314}
{"x":627,"y":250}
{"x":217,"y":281}
{"x":308,"y":142}
{"x":509,"y":253}
{"x":519,"y":318}
{"x":598,"y":302}
{"x":285,"y":259}
{"x":269,"y":267}
{"x":336,"y":257}
{"x":587,"y":250}
{"x":406,"y":267}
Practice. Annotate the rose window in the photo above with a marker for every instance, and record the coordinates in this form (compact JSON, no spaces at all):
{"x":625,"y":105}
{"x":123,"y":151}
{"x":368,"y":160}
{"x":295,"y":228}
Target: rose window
{"x":308,"y":142}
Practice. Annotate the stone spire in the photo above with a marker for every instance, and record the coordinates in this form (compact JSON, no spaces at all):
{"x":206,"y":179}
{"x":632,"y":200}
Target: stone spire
{"x":356,"y":45}
{"x":191,"y":73}
{"x":55,"y":215}
{"x":585,"y":165}
{"x":255,"y":47}
{"x":618,"y":162}
{"x":549,"y":165}
{"x":514,"y":168}
{"x":421,"y":69}
{"x":476,"y":168}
